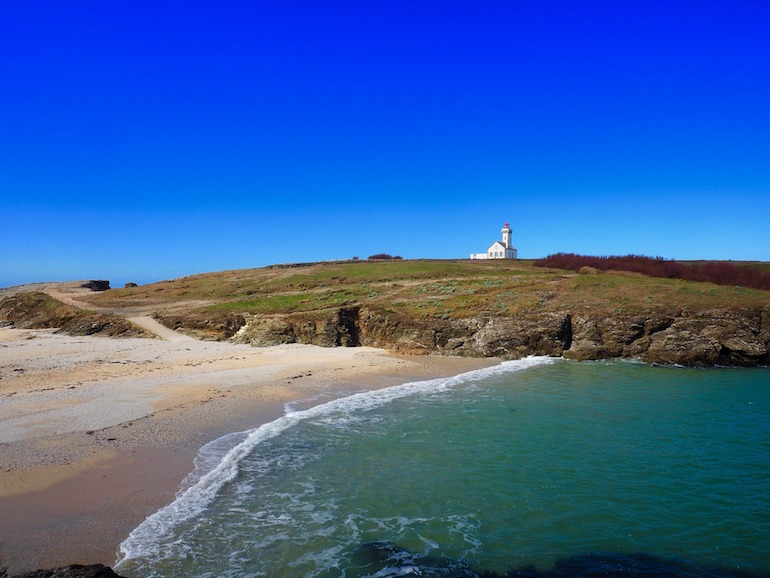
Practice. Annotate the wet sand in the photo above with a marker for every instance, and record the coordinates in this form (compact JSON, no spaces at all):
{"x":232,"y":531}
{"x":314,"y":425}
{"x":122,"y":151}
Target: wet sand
{"x":97,"y":433}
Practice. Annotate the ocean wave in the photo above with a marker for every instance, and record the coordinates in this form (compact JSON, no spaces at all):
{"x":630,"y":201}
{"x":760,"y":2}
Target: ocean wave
{"x":213,"y":470}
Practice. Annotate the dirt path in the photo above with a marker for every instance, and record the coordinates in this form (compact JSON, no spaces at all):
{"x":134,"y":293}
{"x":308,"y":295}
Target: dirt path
{"x":69,"y":293}
{"x":151,"y":325}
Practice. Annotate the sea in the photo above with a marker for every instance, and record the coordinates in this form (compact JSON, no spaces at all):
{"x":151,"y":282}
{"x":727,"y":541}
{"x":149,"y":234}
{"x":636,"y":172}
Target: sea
{"x":535,"y":467}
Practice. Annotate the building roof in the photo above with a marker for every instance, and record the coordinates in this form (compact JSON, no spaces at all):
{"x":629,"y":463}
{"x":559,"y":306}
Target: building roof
{"x":500,"y":243}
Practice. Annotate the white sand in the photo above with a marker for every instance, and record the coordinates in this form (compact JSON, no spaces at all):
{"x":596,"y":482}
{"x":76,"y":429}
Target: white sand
{"x":56,"y":384}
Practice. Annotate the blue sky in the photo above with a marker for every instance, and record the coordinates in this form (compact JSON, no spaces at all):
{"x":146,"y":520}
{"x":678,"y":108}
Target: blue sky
{"x":142,"y":141}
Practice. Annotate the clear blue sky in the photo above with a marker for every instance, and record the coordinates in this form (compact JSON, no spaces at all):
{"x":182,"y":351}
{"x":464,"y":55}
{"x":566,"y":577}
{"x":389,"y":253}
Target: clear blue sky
{"x":142,"y":141}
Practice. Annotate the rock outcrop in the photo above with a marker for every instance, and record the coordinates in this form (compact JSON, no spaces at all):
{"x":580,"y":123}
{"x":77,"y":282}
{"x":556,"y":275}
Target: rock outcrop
{"x":713,"y":337}
{"x":75,"y":571}
{"x":614,"y":336}
{"x":707,"y":338}
{"x":96,"y":285}
{"x":327,"y":329}
{"x":506,"y":337}
{"x":203,"y":325}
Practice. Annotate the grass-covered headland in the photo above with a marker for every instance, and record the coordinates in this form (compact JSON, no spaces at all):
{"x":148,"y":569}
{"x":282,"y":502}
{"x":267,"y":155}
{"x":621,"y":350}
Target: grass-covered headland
{"x":463,"y":307}
{"x":579,"y":307}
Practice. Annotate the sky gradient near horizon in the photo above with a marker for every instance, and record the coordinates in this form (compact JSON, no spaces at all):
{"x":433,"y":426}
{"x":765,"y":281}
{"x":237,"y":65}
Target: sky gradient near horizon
{"x":149,"y":140}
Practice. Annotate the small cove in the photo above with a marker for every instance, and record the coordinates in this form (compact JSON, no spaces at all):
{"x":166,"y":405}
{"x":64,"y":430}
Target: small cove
{"x":534,"y":463}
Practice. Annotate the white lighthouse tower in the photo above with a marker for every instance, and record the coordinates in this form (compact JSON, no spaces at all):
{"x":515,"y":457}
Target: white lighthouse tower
{"x":506,"y":231}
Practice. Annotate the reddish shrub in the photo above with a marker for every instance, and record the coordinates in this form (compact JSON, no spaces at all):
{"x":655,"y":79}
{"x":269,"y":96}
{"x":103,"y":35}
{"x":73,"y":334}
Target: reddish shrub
{"x":719,"y":272}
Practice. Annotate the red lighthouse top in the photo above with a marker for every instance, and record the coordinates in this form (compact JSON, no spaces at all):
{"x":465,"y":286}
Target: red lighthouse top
{"x":506,"y":226}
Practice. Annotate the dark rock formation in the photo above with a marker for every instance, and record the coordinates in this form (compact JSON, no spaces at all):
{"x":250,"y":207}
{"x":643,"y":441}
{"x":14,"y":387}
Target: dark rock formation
{"x":131,"y":284}
{"x":96,"y":285}
{"x":388,"y":558}
{"x":75,"y":571}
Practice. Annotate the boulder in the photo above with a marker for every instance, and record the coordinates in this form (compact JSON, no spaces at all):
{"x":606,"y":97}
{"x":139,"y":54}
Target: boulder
{"x":96,"y":285}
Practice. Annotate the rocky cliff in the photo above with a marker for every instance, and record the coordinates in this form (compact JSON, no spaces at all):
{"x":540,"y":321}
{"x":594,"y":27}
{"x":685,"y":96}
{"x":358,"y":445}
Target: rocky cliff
{"x":712,"y":337}
{"x":665,"y":335}
{"x":707,"y":338}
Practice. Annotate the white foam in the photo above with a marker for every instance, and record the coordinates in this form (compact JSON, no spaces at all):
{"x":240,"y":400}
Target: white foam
{"x":209,"y":456}
{"x":201,"y":486}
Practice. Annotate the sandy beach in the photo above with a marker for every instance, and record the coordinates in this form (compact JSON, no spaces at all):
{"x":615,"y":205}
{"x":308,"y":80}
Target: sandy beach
{"x":98,"y":433}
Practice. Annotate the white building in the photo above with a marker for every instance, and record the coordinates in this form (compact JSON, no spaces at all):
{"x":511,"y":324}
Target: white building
{"x":500,"y":249}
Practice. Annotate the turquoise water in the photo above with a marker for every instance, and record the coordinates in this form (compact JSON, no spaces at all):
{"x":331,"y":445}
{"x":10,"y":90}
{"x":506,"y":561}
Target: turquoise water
{"x":547,"y":464}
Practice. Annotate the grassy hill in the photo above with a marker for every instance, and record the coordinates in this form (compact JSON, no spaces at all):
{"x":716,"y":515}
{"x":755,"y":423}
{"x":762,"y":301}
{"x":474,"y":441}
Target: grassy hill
{"x":426,"y":289}
{"x":506,"y":309}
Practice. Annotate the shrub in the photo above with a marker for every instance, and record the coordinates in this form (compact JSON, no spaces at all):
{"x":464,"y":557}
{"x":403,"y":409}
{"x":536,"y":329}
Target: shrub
{"x":384,"y":256}
{"x":718,"y":272}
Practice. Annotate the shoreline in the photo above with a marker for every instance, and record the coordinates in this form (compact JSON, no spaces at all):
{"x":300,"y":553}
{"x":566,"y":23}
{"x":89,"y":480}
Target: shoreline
{"x":96,"y":434}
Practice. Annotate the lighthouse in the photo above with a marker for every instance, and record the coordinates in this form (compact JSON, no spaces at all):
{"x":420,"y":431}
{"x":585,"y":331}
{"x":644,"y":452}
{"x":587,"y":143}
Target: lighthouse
{"x":500,"y":249}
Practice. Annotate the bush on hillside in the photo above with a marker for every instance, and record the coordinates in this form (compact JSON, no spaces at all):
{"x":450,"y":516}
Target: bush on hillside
{"x":384,"y":256}
{"x":719,"y":272}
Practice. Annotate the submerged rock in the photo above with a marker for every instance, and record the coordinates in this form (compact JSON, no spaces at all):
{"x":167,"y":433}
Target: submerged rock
{"x":74,"y":571}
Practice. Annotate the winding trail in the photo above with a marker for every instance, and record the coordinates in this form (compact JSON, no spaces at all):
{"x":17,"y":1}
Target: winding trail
{"x":69,"y":292}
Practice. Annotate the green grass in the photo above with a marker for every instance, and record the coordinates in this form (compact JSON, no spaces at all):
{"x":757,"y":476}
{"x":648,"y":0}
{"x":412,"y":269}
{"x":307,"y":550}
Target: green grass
{"x":287,"y":303}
